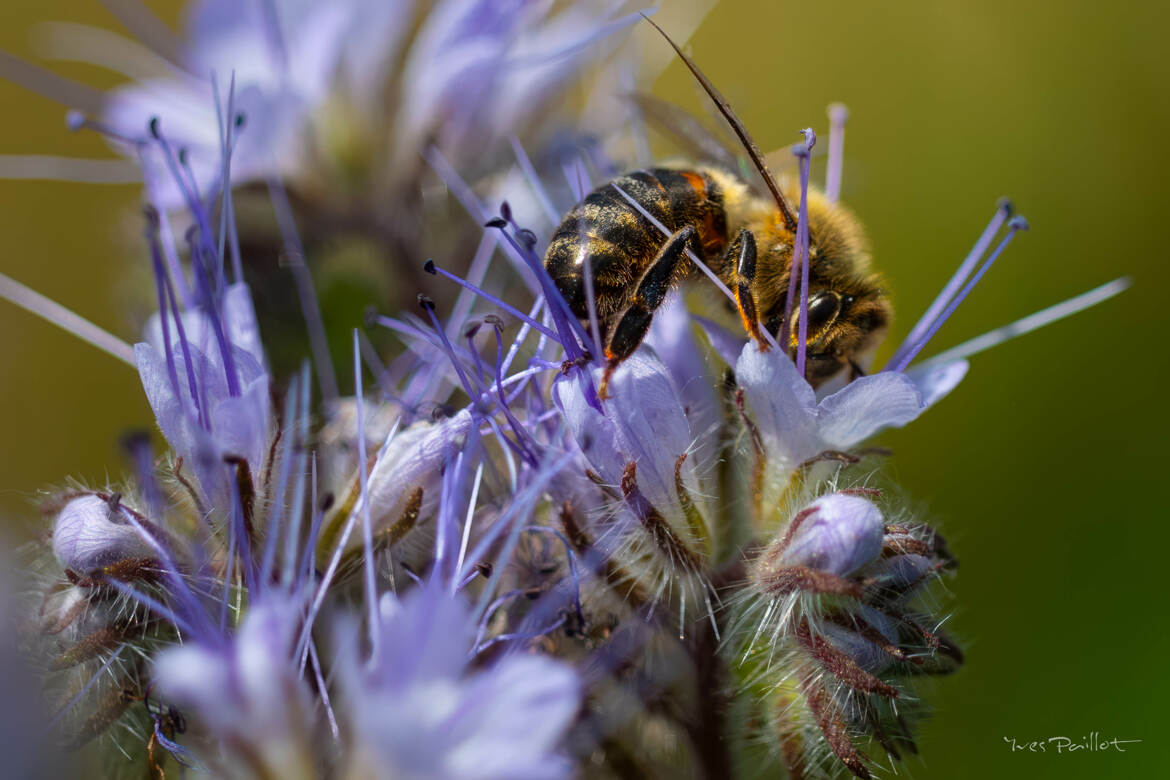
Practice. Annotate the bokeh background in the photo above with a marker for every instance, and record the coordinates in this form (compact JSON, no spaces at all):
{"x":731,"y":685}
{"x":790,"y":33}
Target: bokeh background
{"x":1043,"y":468}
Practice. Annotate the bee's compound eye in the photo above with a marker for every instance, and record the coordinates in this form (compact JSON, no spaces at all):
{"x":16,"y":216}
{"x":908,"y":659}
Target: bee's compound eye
{"x":823,"y":309}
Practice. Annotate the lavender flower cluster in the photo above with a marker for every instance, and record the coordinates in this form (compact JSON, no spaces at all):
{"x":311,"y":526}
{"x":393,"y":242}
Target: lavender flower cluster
{"x":476,"y":566}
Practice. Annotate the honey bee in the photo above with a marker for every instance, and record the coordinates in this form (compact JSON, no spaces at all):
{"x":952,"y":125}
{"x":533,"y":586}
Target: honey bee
{"x":746,"y":239}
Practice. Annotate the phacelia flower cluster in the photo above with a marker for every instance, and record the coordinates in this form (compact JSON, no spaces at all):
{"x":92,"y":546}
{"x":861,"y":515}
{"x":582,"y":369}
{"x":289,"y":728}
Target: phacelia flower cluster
{"x":502,"y":556}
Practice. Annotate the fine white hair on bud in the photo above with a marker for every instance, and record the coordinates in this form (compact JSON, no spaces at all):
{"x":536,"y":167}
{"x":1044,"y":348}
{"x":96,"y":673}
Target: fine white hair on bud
{"x":92,"y":532}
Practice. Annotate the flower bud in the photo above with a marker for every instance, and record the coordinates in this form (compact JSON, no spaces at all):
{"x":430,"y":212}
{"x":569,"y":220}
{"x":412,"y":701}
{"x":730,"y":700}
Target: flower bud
{"x":91,"y":533}
{"x":840,"y":534}
{"x":901,"y":572}
{"x":862,"y":644}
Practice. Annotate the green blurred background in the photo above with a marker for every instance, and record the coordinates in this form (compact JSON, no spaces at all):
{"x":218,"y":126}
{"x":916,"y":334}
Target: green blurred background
{"x":1041,"y":468}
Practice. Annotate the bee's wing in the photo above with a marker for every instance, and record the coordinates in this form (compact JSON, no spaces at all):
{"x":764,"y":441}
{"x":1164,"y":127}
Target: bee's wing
{"x":693,"y":137}
{"x":697,"y":141}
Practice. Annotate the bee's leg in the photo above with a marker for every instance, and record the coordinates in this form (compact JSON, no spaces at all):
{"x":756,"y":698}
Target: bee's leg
{"x":742,"y":253}
{"x":635,"y":320}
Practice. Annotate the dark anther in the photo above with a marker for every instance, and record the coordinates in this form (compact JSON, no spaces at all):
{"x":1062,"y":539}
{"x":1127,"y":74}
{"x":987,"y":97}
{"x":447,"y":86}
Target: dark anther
{"x":370,"y":316}
{"x":241,"y":118}
{"x":484,"y":568}
{"x":1006,"y":206}
{"x":152,"y":218}
{"x":152,"y":125}
{"x":494,"y":320}
{"x":183,"y":156}
{"x":327,"y":502}
{"x":506,"y":211}
{"x":134,"y":441}
{"x":580,"y":362}
{"x":442,"y":412}
{"x":496,"y":222}
{"x":526,"y":237}
{"x":470,"y":331}
{"x":425,"y":302}
{"x":429,"y":266}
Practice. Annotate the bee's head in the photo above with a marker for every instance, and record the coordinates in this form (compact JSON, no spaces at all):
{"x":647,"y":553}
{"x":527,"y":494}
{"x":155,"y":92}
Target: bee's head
{"x":845,"y":323}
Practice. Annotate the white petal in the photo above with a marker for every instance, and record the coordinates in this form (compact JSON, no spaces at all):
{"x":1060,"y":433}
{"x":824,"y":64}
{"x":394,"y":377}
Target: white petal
{"x":781,"y":403}
{"x":651,"y":425}
{"x":866,"y":406}
{"x":936,"y":380}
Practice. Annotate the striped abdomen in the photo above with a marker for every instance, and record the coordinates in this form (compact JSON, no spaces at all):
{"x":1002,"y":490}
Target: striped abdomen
{"x":619,"y":242}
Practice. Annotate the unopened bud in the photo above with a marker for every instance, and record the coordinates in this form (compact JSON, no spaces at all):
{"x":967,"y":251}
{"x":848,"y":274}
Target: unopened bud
{"x":840,"y":535}
{"x":91,"y":533}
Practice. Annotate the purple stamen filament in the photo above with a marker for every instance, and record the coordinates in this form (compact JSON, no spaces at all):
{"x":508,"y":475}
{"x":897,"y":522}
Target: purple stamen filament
{"x":367,"y":524}
{"x":432,"y":268}
{"x":803,"y":153}
{"x":1002,"y":212}
{"x":561,"y":305}
{"x":838,"y":115}
{"x":1017,"y":224}
{"x":429,"y":308}
{"x":166,"y":295}
{"x":1030,"y":323}
{"x":202,"y":274}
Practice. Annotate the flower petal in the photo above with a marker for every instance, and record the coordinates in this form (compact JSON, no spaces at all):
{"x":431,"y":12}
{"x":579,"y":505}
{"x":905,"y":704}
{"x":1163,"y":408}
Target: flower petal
{"x":414,"y":458}
{"x":672,"y":341}
{"x":783,"y":405}
{"x":936,"y":380}
{"x":866,"y":406}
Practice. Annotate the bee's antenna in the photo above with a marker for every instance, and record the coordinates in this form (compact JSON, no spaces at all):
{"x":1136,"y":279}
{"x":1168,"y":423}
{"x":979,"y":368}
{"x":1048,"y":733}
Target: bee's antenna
{"x":737,"y":126}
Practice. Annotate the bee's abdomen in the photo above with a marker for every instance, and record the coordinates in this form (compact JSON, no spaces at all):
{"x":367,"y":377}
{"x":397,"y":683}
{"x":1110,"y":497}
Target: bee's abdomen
{"x":619,"y":242}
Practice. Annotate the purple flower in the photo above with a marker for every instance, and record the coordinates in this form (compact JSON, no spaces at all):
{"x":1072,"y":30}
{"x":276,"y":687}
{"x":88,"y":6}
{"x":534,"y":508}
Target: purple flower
{"x":795,"y":426}
{"x":208,"y":387}
{"x":471,"y":74}
{"x":419,"y":710}
{"x":644,"y":423}
{"x":247,"y":691}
